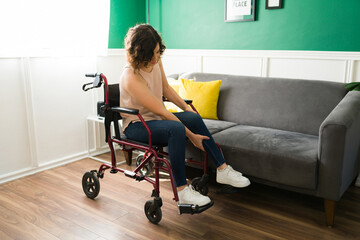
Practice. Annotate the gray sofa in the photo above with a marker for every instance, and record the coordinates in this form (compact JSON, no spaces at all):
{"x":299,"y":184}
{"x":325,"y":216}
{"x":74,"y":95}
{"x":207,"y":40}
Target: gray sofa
{"x":298,"y":135}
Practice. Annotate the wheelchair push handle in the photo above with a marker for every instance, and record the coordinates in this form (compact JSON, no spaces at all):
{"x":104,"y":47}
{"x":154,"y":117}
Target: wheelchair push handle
{"x":95,"y":84}
{"x":90,"y":74}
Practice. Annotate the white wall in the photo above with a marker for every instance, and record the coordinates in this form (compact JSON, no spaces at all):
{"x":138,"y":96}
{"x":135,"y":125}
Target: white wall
{"x":44,"y":111}
{"x":14,"y":140}
{"x":330,"y":66}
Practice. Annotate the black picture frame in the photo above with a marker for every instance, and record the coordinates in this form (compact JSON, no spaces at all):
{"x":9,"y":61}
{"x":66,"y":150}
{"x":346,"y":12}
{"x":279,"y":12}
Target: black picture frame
{"x":274,"y":4}
{"x":231,"y":16}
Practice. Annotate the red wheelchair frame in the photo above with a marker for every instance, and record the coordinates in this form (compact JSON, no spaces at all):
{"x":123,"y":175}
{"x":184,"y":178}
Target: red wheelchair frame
{"x":152,"y":208}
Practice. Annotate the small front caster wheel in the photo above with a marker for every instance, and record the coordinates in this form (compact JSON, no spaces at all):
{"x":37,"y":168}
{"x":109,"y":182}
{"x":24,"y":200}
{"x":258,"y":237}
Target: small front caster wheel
{"x":200,"y":185}
{"x":91,"y":184}
{"x":154,"y":215}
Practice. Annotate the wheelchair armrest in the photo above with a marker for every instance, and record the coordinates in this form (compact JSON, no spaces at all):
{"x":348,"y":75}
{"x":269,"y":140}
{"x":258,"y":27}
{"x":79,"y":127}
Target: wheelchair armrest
{"x":185,"y":100}
{"x":125,"y":110}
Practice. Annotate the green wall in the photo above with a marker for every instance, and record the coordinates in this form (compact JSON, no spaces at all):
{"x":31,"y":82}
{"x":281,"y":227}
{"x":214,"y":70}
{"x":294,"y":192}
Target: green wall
{"x":321,"y":25}
{"x":123,"y":15}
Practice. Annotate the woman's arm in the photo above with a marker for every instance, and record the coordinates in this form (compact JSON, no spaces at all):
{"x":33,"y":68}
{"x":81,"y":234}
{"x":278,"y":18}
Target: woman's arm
{"x":170,"y":93}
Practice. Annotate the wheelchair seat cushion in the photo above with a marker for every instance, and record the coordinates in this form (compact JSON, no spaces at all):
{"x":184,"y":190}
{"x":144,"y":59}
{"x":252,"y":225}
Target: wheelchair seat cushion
{"x":145,"y":144}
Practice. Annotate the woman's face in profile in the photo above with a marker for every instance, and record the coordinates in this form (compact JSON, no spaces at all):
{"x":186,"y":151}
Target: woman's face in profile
{"x":156,"y":55}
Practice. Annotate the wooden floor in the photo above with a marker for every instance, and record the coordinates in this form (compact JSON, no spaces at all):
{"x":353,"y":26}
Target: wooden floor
{"x":52,"y":205}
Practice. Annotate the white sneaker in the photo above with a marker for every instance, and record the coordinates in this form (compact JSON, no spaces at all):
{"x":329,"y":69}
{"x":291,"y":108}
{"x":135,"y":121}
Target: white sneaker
{"x":190,"y":196}
{"x":231,"y":177}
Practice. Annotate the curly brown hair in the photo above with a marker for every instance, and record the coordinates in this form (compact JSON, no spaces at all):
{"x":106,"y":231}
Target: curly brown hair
{"x":140,"y":42}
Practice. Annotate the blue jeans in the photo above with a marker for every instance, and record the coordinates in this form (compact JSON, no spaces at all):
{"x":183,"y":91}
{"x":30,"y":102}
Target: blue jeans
{"x":173,"y":134}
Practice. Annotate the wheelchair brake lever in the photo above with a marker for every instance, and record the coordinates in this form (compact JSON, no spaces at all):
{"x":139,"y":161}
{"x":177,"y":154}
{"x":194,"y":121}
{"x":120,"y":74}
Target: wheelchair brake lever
{"x":96,"y":83}
{"x":86,"y":89}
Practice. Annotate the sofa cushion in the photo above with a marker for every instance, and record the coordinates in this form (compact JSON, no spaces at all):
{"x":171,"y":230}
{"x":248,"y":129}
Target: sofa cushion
{"x":275,"y":155}
{"x":215,"y":126}
{"x":288,"y":104}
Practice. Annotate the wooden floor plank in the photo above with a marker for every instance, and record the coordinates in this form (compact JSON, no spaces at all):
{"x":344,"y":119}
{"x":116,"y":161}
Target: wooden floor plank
{"x":19,"y":228}
{"x":37,"y":215}
{"x":4,"y":236}
{"x":52,"y":205}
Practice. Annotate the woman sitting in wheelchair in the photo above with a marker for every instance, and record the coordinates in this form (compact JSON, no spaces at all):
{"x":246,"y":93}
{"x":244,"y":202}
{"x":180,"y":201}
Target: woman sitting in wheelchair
{"x":142,"y":86}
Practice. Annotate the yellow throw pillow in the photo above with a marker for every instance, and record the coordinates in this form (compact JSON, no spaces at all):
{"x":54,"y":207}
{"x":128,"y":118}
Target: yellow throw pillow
{"x":175,"y":85}
{"x":205,"y":96}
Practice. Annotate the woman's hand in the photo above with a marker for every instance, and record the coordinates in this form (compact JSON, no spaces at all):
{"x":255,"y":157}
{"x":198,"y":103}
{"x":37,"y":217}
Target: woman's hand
{"x":189,"y":109}
{"x":197,"y":140}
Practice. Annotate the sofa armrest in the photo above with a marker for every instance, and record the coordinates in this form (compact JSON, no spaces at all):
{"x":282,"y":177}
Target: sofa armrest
{"x":339,"y":147}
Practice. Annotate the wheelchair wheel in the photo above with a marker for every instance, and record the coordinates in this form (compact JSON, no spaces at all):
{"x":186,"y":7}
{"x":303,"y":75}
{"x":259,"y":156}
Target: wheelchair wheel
{"x":154,"y":216}
{"x":200,"y":186}
{"x":91,"y":184}
{"x":148,"y":168}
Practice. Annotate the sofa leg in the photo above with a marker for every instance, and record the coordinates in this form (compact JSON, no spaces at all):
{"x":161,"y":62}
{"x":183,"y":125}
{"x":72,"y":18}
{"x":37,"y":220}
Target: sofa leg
{"x":353,"y":183}
{"x":128,"y":157}
{"x":329,"y":211}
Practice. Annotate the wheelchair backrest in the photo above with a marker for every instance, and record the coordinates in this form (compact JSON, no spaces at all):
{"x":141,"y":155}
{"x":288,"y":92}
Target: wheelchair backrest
{"x":113,"y":93}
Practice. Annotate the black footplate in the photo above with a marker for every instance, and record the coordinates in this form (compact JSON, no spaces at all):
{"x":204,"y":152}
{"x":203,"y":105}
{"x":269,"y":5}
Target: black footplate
{"x":227,"y":189}
{"x":131,"y":174}
{"x":193,"y":209}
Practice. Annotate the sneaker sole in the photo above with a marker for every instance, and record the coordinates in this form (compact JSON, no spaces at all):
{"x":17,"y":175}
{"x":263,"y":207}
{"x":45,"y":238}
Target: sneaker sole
{"x":237,"y":186}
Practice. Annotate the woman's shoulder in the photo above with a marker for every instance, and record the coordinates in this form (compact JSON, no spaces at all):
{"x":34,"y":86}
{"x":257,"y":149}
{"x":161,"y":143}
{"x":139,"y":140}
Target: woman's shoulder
{"x":129,"y":73}
{"x":129,"y":76}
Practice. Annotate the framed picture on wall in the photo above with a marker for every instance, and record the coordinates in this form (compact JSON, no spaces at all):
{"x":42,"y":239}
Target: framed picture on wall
{"x":274,"y":4}
{"x":239,"y":10}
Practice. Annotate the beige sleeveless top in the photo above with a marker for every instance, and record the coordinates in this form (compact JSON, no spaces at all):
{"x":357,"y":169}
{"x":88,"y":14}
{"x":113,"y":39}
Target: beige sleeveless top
{"x":154,"y":82}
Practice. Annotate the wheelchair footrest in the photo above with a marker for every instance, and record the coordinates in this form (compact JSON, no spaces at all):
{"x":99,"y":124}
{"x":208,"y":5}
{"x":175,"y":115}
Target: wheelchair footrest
{"x":133,"y":175}
{"x":193,"y":209}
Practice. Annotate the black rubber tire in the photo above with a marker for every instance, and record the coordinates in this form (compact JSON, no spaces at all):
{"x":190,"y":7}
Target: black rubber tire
{"x":139,"y":159}
{"x":155,"y":216}
{"x":201,"y":188}
{"x":147,"y":170}
{"x":91,"y":184}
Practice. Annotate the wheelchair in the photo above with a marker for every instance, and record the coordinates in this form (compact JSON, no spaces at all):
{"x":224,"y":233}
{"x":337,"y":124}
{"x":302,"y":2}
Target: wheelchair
{"x":153,"y":159}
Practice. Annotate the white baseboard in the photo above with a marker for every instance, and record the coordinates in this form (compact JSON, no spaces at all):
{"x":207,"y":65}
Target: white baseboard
{"x":42,"y":167}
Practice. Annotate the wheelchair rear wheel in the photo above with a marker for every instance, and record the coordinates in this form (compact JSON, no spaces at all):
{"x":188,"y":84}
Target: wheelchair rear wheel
{"x":147,"y":170}
{"x":91,"y":184}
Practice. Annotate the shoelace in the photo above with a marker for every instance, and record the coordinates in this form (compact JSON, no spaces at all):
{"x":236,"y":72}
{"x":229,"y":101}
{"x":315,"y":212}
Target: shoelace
{"x":193,"y":191}
{"x":234,"y":173}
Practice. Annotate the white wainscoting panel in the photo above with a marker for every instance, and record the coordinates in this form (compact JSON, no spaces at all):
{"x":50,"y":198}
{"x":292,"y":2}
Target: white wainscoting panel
{"x":356,"y":71}
{"x":14,"y":140}
{"x":248,"y":66}
{"x":317,"y":69}
{"x":181,"y":63}
{"x":60,"y":105}
{"x":329,"y":66}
